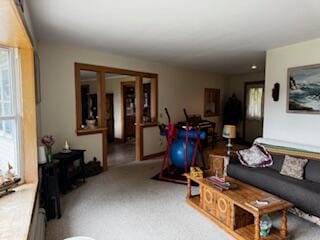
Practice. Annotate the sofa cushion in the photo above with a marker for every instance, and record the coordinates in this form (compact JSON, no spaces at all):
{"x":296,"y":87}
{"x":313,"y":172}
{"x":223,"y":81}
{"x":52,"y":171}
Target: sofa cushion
{"x":293,"y":167}
{"x":304,"y":194}
{"x":277,"y":161}
{"x":312,"y":171}
{"x":256,"y":156}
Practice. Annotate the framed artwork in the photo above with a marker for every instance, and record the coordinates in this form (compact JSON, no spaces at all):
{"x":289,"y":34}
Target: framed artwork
{"x":304,"y":89}
{"x":211,"y":102}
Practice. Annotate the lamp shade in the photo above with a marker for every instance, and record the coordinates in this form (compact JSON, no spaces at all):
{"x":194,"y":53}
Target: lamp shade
{"x":229,"y":131}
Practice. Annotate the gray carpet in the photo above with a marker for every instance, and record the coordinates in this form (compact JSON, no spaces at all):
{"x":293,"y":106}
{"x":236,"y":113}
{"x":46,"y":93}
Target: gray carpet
{"x":124,"y":203}
{"x":121,"y":153}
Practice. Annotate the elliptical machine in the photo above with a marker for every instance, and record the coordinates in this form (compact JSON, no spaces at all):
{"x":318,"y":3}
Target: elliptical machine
{"x":191,"y":136}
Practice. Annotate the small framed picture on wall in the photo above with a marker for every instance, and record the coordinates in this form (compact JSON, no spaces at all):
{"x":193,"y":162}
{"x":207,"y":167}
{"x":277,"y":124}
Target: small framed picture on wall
{"x":304,"y":89}
{"x":211,"y":102}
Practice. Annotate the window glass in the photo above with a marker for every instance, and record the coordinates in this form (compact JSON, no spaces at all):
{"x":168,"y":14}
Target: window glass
{"x":255,"y":104}
{"x":90,"y":99}
{"x":9,"y":150}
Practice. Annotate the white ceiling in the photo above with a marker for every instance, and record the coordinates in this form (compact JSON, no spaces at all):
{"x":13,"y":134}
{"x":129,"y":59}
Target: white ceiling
{"x":225,"y":36}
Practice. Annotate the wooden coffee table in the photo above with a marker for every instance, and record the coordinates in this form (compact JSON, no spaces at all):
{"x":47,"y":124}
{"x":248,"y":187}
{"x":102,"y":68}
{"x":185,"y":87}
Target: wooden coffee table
{"x":231,"y":211}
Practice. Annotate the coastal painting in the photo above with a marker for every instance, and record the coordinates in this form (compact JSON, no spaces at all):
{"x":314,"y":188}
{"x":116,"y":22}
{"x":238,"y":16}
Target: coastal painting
{"x":304,"y":89}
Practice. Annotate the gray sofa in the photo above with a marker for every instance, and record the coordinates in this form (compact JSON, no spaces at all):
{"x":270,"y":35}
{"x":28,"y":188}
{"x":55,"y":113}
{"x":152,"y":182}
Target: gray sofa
{"x":304,"y":194}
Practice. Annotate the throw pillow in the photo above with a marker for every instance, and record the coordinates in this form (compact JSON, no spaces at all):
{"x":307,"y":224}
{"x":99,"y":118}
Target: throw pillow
{"x":293,"y":167}
{"x":256,"y":156}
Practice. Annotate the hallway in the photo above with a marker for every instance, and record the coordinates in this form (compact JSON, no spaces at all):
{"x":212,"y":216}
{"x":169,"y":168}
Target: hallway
{"x":121,"y":153}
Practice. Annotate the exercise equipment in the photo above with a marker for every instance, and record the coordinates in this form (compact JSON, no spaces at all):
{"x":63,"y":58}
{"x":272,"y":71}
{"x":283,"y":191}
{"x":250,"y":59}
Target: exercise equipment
{"x":193,"y":135}
{"x":193,"y":130}
{"x":178,"y":153}
{"x":204,"y":125}
{"x":183,"y":144}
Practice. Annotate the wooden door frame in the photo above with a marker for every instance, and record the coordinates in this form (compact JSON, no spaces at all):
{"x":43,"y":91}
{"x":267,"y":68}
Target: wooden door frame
{"x":246,"y":84}
{"x":112,"y":114}
{"x":102,"y":71}
{"x":122,"y":106}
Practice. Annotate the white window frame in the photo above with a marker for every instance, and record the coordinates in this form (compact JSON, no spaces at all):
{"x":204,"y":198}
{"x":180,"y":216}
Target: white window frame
{"x":15,"y":77}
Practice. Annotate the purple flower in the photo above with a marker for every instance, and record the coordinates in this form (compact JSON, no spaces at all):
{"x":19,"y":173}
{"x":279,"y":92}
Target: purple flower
{"x":48,"y":140}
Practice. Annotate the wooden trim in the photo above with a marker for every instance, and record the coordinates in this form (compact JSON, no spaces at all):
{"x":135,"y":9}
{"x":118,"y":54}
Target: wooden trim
{"x":13,"y":32}
{"x":81,"y":132}
{"x":78,"y":96}
{"x":154,"y":155}
{"x":103,"y":120}
{"x":101,"y":71}
{"x":102,"y":95}
{"x":104,"y":136}
{"x":154,"y":100}
{"x":120,"y":71}
{"x":245,"y":105}
{"x":148,"y":125}
{"x":28,"y":123}
{"x":139,"y":107}
{"x":122,"y":113}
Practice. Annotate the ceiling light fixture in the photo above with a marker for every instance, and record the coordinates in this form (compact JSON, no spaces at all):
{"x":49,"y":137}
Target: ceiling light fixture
{"x":253,"y":67}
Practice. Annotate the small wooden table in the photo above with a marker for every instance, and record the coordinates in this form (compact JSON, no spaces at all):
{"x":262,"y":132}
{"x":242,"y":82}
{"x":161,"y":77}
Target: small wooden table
{"x":66,"y":159}
{"x":229,"y":210}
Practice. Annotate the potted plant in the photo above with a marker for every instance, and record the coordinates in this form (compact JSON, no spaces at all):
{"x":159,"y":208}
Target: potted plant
{"x":48,"y":141}
{"x":91,"y":122}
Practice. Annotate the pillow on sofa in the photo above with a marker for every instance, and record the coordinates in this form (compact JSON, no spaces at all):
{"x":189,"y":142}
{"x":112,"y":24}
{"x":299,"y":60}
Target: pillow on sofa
{"x":256,"y":156}
{"x":293,"y":167}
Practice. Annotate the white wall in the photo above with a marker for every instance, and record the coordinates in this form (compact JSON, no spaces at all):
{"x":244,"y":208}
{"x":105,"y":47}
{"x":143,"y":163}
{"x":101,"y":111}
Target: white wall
{"x":236,"y":86}
{"x":178,"y":88}
{"x":278,"y":124}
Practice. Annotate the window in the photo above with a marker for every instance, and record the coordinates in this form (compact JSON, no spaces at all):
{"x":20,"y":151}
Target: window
{"x":255,"y":103}
{"x":9,"y":117}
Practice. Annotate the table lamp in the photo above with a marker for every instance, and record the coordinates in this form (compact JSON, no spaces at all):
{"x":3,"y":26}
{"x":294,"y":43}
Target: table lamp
{"x":229,"y":132}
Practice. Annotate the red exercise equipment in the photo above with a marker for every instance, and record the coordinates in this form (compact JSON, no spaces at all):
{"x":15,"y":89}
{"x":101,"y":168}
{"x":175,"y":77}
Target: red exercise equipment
{"x":170,"y":131}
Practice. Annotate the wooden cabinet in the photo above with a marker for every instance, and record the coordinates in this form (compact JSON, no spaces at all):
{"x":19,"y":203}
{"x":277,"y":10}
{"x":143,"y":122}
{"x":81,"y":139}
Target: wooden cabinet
{"x":223,"y":210}
{"x":209,"y":201}
{"x":216,"y":205}
{"x":230,"y":210}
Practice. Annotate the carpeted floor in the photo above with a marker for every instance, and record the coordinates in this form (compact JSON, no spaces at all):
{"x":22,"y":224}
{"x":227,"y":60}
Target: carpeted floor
{"x":121,"y":153}
{"x":124,"y":203}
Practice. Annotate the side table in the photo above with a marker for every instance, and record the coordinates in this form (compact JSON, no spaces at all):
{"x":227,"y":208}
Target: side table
{"x":64,"y":161}
{"x":218,"y":162}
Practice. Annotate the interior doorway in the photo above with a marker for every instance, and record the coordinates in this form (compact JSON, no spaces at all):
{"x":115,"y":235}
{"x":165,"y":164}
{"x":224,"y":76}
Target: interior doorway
{"x":121,"y":117}
{"x":253,"y":114}
{"x":98,"y":110}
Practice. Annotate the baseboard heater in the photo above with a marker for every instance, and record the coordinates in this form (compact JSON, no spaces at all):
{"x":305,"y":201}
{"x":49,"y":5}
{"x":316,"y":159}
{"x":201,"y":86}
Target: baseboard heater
{"x":38,"y":227}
